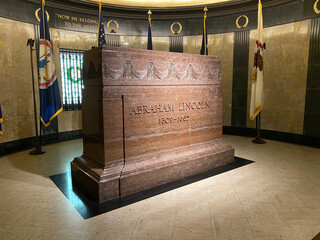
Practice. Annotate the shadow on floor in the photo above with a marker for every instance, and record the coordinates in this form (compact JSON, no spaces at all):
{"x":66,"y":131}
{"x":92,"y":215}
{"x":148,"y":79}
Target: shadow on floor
{"x":88,"y":208}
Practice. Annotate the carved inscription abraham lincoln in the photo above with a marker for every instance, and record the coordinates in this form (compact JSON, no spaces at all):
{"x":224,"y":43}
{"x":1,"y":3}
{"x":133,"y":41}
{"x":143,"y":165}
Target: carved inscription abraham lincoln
{"x":167,"y":108}
{"x":159,"y":108}
{"x":148,"y":118}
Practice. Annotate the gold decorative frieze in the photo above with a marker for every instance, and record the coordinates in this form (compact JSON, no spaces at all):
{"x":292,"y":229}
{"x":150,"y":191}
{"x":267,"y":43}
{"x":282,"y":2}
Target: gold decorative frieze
{"x":112,"y":30}
{"x":176,"y":32}
{"x":245,"y":24}
{"x":36,"y":13}
{"x":315,"y":7}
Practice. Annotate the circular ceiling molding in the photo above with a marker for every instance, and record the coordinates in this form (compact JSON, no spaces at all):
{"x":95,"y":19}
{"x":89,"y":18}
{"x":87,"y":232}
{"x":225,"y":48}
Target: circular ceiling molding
{"x":161,"y":3}
{"x":163,"y":9}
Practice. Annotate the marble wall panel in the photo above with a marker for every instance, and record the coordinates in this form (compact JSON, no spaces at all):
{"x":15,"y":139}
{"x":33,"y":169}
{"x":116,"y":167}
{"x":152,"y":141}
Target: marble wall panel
{"x":192,"y":44}
{"x":70,"y":120}
{"x":220,"y":45}
{"x":134,"y":42}
{"x":140,"y":42}
{"x":15,"y":80}
{"x":161,"y":43}
{"x":285,"y":76}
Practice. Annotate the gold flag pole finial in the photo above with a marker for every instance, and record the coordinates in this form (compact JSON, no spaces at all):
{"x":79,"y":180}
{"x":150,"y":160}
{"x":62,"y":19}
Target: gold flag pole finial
{"x":100,"y":6}
{"x":99,"y":2}
{"x":149,"y":18}
{"x":205,"y":29}
{"x":205,"y":11}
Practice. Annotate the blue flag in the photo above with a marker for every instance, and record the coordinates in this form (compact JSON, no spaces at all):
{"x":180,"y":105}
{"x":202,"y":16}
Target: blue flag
{"x":50,"y":102}
{"x":1,"y":120}
{"x":101,"y":35}
{"x":149,"y":32}
{"x":204,"y":46}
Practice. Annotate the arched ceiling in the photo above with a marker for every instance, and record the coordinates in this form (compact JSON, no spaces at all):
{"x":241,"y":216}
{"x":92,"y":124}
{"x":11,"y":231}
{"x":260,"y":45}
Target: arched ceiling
{"x":161,"y":3}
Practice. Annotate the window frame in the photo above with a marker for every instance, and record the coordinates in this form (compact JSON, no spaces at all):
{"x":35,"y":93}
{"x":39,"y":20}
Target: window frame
{"x":71,"y":59}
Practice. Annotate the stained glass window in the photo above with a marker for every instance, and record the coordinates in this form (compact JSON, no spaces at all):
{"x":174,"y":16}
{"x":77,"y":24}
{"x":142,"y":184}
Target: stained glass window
{"x":71,"y":62}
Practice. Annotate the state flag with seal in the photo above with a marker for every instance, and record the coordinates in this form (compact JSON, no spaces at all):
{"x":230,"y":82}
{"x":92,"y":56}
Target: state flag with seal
{"x":256,"y":101}
{"x":50,"y":102}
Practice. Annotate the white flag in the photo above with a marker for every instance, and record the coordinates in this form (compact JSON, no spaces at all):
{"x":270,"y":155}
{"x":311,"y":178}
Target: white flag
{"x":256,"y":101}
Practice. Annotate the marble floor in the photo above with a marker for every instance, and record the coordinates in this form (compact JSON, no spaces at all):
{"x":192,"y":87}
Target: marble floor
{"x":276,"y":197}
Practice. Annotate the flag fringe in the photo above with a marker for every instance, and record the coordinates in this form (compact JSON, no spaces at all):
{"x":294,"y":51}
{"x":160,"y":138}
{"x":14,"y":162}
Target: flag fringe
{"x":52,"y":117}
{"x":256,"y":111}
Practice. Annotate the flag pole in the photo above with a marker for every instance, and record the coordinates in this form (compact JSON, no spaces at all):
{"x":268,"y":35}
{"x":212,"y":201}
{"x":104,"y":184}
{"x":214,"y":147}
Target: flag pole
{"x":204,"y":29}
{"x":256,"y":100}
{"x":204,"y":45}
{"x":149,"y":44}
{"x":44,"y":32}
{"x":258,"y":139}
{"x":149,"y":18}
{"x":38,"y":149}
{"x":99,"y":20}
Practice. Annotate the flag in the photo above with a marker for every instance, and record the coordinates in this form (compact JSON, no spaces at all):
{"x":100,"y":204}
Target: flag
{"x":101,"y":34}
{"x":256,"y":101}
{"x":50,"y":103}
{"x":204,"y":46}
{"x":149,"y":32}
{"x":1,"y":120}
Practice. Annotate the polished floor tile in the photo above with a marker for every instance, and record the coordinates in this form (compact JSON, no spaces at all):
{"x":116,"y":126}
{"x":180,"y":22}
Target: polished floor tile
{"x":231,"y":228}
{"x":195,"y":189}
{"x":275,"y":197}
{"x":155,"y":226}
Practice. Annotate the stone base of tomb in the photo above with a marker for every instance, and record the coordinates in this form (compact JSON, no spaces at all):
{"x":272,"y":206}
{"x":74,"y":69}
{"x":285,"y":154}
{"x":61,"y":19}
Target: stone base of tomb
{"x":144,"y":172}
